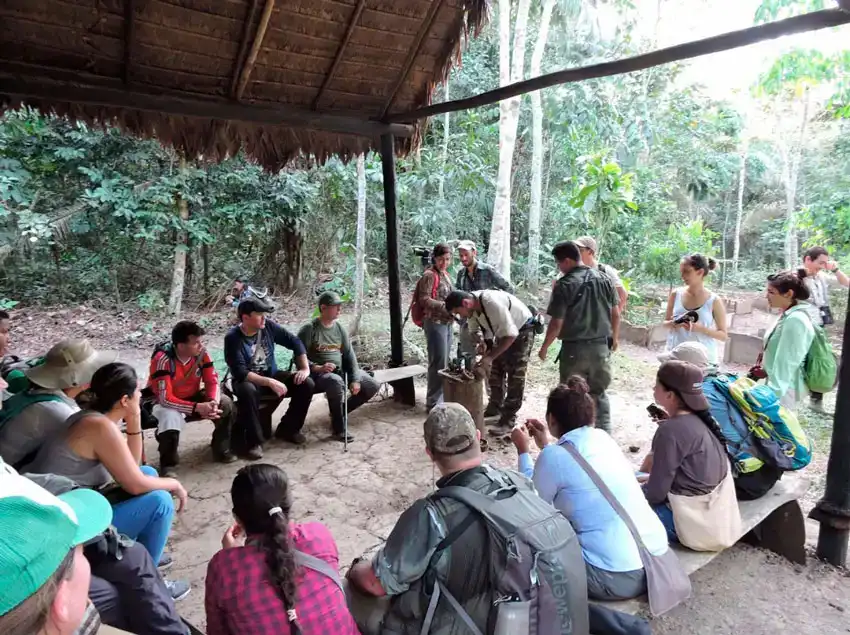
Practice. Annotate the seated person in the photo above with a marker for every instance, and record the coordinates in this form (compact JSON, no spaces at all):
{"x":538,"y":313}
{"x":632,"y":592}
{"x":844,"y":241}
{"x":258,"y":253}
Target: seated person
{"x":442,"y":540}
{"x":44,"y":576}
{"x":242,"y":290}
{"x":185,"y":384}
{"x":332,"y":359}
{"x":94,"y":454}
{"x":30,"y":418}
{"x":256,"y":584}
{"x":612,"y":559}
{"x":250,"y":355}
{"x":689,"y":454}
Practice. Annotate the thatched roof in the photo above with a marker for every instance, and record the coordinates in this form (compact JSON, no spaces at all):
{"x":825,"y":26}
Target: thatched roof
{"x":276,"y":77}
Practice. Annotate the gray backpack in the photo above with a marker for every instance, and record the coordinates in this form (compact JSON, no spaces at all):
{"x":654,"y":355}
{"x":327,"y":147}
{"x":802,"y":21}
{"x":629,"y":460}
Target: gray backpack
{"x":536,"y":562}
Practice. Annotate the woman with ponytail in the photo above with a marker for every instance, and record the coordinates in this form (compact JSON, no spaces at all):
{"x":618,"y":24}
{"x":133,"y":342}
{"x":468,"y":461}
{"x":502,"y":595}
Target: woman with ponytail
{"x":612,"y":560}
{"x":254,"y":585}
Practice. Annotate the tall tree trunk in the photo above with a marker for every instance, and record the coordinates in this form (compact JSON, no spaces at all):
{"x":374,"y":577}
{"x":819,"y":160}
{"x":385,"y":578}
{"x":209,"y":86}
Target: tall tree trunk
{"x":791,"y":169}
{"x":510,"y":70}
{"x":537,"y":152}
{"x":739,"y":216}
{"x":445,"y":153}
{"x":205,"y":255}
{"x":360,"y":267}
{"x":178,"y":277}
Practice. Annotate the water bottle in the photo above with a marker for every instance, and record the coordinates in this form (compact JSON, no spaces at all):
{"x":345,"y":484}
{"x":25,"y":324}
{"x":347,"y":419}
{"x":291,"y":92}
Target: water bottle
{"x":512,"y":618}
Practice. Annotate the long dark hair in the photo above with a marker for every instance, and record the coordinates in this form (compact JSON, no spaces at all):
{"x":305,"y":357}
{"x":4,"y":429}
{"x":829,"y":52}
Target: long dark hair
{"x":704,"y":416}
{"x":258,"y":492}
{"x":571,"y":405}
{"x":698,"y":262}
{"x":110,"y":383}
{"x":791,"y":280}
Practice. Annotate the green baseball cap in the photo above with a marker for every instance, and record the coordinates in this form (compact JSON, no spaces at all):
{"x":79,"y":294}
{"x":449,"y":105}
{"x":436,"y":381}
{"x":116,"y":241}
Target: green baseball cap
{"x":449,"y":429}
{"x":330,"y":298}
{"x":38,"y":529}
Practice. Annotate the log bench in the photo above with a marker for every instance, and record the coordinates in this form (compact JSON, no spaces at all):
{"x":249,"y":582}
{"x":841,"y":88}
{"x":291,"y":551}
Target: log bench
{"x":774,"y":521}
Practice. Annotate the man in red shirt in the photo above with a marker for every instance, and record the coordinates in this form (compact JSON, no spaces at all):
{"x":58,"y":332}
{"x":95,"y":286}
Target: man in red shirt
{"x":185,"y":384}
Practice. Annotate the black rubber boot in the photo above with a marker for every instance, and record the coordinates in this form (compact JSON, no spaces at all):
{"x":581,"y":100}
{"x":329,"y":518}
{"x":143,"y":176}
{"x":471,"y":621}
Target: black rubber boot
{"x":168,"y":457}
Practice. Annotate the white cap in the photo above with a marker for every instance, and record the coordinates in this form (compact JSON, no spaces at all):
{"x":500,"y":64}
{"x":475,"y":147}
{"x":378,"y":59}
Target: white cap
{"x":692,"y":352}
{"x":466,"y":245}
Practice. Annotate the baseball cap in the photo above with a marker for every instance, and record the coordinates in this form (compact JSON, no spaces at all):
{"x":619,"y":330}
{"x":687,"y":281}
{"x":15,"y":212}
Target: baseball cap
{"x":449,"y":429}
{"x":586,"y":242}
{"x":692,"y":352}
{"x":686,"y":380}
{"x":330,"y":298}
{"x":38,"y":529}
{"x":253,"y":304}
{"x":69,"y":363}
{"x":466,"y":245}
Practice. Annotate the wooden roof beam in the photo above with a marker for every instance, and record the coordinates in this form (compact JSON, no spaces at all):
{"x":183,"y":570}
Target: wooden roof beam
{"x":352,"y":22}
{"x":26,"y":88}
{"x":243,"y":46}
{"x":248,"y":66}
{"x":744,"y":37}
{"x":129,"y":38}
{"x":424,"y":29}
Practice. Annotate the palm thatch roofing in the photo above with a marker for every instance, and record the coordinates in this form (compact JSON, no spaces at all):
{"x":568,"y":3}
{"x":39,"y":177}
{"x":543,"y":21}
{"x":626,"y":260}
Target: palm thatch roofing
{"x":277,"y":78}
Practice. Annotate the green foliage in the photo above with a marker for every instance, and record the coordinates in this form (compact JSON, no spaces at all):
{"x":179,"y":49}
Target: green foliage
{"x":603,"y":193}
{"x":7,"y":304}
{"x":661,"y":259}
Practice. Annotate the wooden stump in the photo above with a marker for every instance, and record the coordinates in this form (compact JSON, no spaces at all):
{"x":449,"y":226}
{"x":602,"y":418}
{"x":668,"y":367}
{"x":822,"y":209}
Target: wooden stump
{"x":469,"y":393}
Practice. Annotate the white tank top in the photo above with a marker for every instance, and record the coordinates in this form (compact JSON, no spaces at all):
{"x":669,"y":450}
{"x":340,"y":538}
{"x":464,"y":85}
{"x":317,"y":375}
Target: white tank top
{"x":677,"y":336}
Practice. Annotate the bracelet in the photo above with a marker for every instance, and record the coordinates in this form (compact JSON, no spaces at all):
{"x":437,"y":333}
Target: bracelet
{"x":132,"y":434}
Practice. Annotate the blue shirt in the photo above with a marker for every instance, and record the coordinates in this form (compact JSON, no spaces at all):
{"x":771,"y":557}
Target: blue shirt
{"x":239,"y":350}
{"x":605,"y":540}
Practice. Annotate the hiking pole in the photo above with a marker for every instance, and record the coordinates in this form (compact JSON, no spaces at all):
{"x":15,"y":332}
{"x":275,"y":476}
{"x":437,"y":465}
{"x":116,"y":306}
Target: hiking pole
{"x":345,"y":413}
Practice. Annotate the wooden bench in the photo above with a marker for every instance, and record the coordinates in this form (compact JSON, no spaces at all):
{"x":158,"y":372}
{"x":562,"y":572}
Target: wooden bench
{"x":774,"y":521}
{"x":401,"y":379}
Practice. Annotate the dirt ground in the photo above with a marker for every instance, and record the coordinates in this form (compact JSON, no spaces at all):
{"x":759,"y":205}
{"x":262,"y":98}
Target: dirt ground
{"x":359,"y":494}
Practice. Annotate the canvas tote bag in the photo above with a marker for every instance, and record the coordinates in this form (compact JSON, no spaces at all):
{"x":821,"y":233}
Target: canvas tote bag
{"x":708,"y":522}
{"x":667,"y":583}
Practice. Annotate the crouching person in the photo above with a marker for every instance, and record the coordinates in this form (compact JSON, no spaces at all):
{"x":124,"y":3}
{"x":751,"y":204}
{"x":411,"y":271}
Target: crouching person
{"x":333,"y":363}
{"x":185,"y":384}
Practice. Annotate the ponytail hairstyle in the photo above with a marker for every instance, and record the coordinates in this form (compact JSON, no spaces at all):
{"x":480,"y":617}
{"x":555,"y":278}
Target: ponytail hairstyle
{"x":698,"y":262}
{"x":791,"y":280}
{"x":262,"y":503}
{"x":571,"y":405}
{"x":110,"y":384}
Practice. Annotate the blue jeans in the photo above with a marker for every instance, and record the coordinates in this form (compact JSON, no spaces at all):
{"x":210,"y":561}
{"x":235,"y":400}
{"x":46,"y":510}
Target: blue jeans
{"x":146,"y":518}
{"x":439,"y":339}
{"x":665,"y":515}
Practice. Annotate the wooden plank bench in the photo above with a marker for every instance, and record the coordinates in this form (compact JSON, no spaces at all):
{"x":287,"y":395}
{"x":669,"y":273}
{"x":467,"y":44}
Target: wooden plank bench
{"x":401,"y":379}
{"x":774,"y":521}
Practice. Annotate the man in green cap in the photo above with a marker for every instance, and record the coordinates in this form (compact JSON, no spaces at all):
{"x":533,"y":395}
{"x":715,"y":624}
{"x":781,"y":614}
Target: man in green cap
{"x":333,"y":362}
{"x":44,"y":576}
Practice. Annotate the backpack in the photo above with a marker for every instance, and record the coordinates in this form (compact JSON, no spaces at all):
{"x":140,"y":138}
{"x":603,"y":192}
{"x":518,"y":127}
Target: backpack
{"x":741,"y":444}
{"x":14,"y":405}
{"x":775,"y":431}
{"x":13,"y":370}
{"x":168,"y":349}
{"x":535,"y":559}
{"x":417,"y":313}
{"x":820,"y":370}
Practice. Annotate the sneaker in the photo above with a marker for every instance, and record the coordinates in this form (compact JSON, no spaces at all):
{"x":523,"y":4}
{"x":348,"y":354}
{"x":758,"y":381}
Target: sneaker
{"x":178,"y":589}
{"x":223,"y":456}
{"x":341,"y":437}
{"x":296,"y":439}
{"x":492,"y":410}
{"x":165,"y":562}
{"x":254,"y":454}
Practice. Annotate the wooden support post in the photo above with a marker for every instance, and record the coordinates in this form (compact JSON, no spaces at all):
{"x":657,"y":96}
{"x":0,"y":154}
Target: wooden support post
{"x":403,"y":390}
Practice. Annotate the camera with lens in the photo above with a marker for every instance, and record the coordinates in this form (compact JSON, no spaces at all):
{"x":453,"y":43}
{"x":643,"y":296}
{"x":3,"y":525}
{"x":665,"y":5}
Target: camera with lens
{"x":424,"y":255}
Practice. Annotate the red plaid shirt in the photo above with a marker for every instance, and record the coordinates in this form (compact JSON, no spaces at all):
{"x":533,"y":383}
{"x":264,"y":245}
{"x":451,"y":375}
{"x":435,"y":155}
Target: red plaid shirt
{"x":241,"y":598}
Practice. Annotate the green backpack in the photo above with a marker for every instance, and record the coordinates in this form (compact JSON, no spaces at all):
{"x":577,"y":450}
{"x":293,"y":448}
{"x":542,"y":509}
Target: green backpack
{"x":820,"y":370}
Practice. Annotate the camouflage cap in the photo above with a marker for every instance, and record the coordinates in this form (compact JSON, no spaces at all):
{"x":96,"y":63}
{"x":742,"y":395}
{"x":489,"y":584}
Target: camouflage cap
{"x":449,"y":429}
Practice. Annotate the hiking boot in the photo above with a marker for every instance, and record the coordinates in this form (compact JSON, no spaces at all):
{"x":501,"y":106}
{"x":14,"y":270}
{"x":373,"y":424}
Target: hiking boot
{"x":296,"y":439}
{"x":492,"y":410}
{"x":165,"y":562}
{"x":168,"y":456}
{"x":223,"y":455}
{"x":341,"y":437}
{"x":507,"y":422}
{"x":178,"y":589}
{"x":254,"y":454}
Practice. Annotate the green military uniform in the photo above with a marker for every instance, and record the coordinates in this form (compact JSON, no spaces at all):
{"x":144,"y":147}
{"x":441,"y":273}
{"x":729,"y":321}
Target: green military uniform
{"x":585,"y":298}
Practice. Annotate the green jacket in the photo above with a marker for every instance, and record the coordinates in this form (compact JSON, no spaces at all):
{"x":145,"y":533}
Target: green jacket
{"x":785,"y":348}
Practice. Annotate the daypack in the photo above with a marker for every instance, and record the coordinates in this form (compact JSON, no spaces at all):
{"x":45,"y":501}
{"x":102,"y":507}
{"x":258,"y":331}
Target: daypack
{"x":14,"y":405}
{"x":168,"y":349}
{"x":417,"y":313}
{"x":741,"y":444}
{"x":820,"y":371}
{"x":13,"y":370}
{"x":775,"y":430}
{"x":535,"y":559}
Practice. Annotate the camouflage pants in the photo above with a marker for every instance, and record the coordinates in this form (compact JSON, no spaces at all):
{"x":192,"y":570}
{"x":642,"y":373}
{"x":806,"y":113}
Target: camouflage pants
{"x":507,"y":376}
{"x":591,"y":361}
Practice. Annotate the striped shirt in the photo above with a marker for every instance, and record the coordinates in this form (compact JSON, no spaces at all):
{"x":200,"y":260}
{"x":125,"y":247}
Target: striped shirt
{"x":175,"y":382}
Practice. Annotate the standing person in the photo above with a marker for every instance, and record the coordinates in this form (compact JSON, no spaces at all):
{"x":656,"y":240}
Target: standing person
{"x":787,"y":343}
{"x":584,"y":316}
{"x":44,"y":576}
{"x":612,"y":559}
{"x":708,"y":313}
{"x":257,"y":584}
{"x":505,"y":320}
{"x":331,"y":360}
{"x":431,"y":292}
{"x":186,"y":387}
{"x":816,"y":262}
{"x":588,"y":248}
{"x":475,"y":275}
{"x":249,"y":350}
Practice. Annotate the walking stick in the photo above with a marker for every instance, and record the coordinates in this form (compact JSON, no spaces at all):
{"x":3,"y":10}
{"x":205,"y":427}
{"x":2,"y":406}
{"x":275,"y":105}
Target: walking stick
{"x":345,"y":413}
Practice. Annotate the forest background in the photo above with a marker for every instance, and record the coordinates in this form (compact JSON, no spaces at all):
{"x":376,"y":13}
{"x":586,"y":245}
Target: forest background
{"x":744,"y":156}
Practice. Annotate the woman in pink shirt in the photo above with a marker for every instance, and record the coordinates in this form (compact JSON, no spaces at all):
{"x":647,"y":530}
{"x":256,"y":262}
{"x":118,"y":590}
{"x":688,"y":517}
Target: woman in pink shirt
{"x":262,"y":580}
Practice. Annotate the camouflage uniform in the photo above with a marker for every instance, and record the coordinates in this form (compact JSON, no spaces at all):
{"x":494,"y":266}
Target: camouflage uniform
{"x":585,"y":298}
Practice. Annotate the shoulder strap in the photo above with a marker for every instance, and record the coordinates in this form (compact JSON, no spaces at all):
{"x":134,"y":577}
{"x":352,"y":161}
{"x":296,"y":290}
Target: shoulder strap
{"x":606,"y":492}
{"x":318,"y":565}
{"x":484,"y":312}
{"x":436,"y":283}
